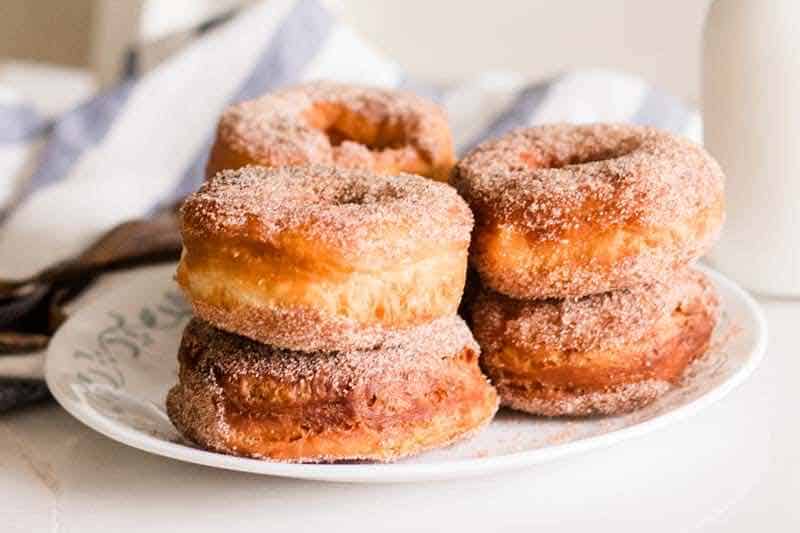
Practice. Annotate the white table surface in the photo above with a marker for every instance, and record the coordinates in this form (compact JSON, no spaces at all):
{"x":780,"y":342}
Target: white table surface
{"x":733,"y":468}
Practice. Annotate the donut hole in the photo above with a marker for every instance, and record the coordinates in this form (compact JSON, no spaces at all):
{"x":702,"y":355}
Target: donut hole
{"x":343,"y":125}
{"x":581,"y":154}
{"x":364,"y":195}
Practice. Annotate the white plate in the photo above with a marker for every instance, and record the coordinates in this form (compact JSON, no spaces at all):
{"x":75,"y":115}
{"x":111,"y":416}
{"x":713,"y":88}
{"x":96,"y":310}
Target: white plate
{"x":112,"y":364}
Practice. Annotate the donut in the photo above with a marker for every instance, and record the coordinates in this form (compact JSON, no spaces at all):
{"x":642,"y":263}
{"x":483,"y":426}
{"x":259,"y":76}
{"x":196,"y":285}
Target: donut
{"x":571,"y":210}
{"x":323,"y":258}
{"x":604,"y":354}
{"x":240,"y":397}
{"x":381,"y":130}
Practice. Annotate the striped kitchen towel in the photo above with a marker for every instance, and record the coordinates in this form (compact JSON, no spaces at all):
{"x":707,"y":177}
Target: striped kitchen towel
{"x":141,"y":145}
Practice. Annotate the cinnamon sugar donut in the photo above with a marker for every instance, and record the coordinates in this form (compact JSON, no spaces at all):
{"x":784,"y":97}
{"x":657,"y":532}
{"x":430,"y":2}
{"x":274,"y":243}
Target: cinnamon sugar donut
{"x":602,"y":354}
{"x":567,"y":211}
{"x":319,"y":258}
{"x":381,"y":130}
{"x":243,"y":398}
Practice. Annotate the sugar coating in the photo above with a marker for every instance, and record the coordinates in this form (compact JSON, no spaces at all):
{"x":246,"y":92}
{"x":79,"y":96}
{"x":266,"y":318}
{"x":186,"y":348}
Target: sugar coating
{"x":600,"y":321}
{"x":347,"y":379}
{"x":307,"y":329}
{"x":626,"y":323}
{"x":349,"y":211}
{"x":617,"y":400}
{"x":557,"y":178}
{"x":275,"y":126}
{"x":422,"y":350}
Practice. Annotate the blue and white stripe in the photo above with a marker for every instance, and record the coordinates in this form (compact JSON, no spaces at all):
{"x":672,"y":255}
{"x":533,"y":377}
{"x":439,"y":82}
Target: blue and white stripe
{"x":19,"y":122}
{"x":144,"y":143}
{"x":296,"y":42}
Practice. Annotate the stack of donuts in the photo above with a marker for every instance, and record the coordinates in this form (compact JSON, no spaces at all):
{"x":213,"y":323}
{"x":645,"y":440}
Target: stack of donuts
{"x":586,"y":300}
{"x":325,"y":281}
{"x":325,"y":260}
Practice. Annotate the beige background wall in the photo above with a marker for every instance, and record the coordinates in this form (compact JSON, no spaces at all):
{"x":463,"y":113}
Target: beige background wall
{"x":444,"y":40}
{"x":55,"y":31}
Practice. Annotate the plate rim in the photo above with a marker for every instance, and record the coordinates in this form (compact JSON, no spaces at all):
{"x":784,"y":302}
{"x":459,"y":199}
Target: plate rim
{"x":409,"y":472}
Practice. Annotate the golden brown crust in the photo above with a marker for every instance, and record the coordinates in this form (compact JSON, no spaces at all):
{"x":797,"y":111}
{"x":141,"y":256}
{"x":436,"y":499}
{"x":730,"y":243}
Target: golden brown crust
{"x":602,"y":354}
{"x":380,"y":130}
{"x":316,"y":258}
{"x":567,"y":211}
{"x":243,"y":398}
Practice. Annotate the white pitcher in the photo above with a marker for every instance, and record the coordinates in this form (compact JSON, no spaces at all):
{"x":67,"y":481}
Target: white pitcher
{"x":751,"y":109}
